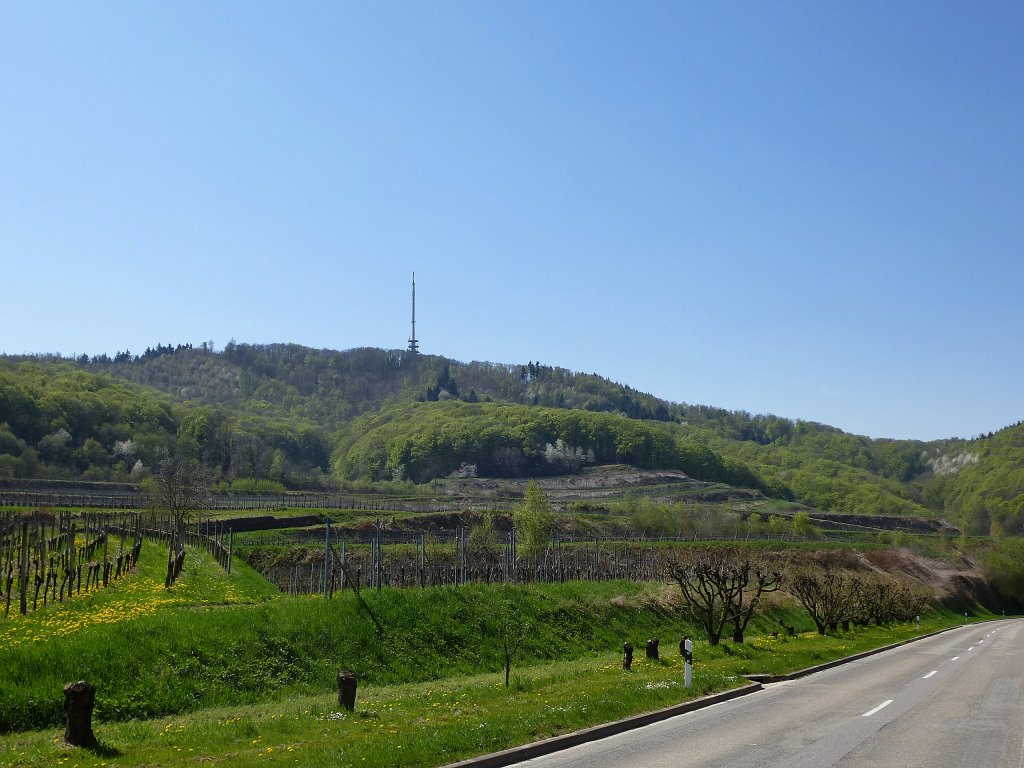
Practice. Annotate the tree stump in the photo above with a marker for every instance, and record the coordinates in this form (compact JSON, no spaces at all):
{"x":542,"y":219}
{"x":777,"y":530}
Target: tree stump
{"x":347,"y":682}
{"x":79,"y":699}
{"x":652,"y":648}
{"x":627,"y":658}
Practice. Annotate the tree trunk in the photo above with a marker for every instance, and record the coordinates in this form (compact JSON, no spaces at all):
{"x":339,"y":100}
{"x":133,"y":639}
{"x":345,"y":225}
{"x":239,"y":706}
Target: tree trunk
{"x":347,"y":682}
{"x":652,"y":648}
{"x":79,"y":699}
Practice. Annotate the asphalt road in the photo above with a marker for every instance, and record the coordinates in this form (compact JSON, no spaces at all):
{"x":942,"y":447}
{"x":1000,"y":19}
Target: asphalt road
{"x":953,"y":700}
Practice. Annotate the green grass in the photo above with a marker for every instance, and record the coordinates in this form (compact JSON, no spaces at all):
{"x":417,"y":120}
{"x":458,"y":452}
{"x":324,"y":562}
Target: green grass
{"x":437,"y":722}
{"x":114,"y":634}
{"x":223,"y":666}
{"x":215,"y":641}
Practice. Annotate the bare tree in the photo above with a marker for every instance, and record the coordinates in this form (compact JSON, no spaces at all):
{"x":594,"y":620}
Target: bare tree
{"x":826,"y":593}
{"x":759,"y":575}
{"x":512,"y":630}
{"x":179,"y":488}
{"x":721,"y":585}
{"x":881,"y":599}
{"x":836,"y":597}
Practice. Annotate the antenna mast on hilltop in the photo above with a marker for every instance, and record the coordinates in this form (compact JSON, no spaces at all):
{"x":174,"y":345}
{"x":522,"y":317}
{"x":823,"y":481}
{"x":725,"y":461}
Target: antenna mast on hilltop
{"x":414,"y":345}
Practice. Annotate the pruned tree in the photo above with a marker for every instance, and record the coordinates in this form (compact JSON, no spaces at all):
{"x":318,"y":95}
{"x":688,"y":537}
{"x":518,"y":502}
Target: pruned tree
{"x":835,"y":597}
{"x":882,"y":599}
{"x":721,"y":585}
{"x":758,"y":576}
{"x":826,"y":593}
{"x":908,"y":600}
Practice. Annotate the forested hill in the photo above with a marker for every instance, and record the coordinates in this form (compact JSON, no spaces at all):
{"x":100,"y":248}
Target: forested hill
{"x":309,"y":418}
{"x":334,"y":387}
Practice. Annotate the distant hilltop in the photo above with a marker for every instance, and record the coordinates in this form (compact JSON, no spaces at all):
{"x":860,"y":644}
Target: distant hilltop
{"x":295,"y":417}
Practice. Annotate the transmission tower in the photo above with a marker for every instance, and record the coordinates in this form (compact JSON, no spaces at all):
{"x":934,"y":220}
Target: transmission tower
{"x":414,"y":345}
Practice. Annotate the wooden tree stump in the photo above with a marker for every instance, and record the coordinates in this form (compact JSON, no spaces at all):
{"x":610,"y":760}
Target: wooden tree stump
{"x":652,"y":648}
{"x":79,"y":699}
{"x":627,"y":655}
{"x":347,"y":682}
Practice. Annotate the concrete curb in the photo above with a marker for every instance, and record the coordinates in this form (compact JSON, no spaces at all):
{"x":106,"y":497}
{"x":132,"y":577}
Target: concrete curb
{"x":558,"y":743}
{"x":765,"y":678}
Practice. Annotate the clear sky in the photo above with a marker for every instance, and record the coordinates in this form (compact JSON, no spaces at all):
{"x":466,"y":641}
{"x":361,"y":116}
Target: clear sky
{"x":809,"y":209}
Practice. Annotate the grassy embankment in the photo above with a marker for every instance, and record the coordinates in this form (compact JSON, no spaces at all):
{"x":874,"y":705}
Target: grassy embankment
{"x":238,"y":677}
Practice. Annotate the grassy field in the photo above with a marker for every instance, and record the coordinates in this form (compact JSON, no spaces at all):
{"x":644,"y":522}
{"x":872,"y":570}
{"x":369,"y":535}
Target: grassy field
{"x":222,"y":667}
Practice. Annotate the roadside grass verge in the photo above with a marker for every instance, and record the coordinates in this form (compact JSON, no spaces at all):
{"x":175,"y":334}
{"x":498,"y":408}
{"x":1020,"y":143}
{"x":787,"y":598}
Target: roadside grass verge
{"x":200,"y":645}
{"x":438,"y":722}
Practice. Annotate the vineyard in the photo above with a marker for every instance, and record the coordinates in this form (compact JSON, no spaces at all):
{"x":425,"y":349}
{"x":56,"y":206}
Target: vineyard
{"x":51,"y":558}
{"x":421,"y":560}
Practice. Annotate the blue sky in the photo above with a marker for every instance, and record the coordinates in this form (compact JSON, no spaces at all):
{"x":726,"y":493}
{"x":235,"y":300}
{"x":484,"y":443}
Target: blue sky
{"x":814,"y":210}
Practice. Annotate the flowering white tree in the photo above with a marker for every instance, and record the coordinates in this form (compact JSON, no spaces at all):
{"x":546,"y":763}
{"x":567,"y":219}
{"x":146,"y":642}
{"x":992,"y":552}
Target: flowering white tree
{"x":567,"y":457}
{"x":124,"y":449}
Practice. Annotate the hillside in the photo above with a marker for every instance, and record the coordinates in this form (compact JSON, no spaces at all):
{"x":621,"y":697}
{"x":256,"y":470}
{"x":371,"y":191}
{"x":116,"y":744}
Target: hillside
{"x":983,"y":481}
{"x":426,"y":441}
{"x":311,"y":419}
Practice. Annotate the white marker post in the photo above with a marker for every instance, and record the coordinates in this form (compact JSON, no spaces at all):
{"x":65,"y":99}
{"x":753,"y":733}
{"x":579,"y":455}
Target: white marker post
{"x":688,"y":658}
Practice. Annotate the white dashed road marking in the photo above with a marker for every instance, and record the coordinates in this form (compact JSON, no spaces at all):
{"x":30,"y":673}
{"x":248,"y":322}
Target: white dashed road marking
{"x":879,"y":708}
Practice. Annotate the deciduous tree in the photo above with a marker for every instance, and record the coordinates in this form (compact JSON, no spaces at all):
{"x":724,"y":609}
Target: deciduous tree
{"x":178,"y":489}
{"x":533,"y":520}
{"x":720,"y":586}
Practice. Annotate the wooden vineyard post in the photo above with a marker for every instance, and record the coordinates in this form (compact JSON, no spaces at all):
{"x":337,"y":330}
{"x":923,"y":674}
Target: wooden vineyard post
{"x":378,"y":568}
{"x":71,"y":557}
{"x":23,"y":568}
{"x":561,"y":570}
{"x":512,"y":556}
{"x":465,"y":565}
{"x":327,"y":558}
{"x":456,"y":566}
{"x":170,"y":561}
{"x":423,"y":560}
{"x":344,"y":562}
{"x":106,"y":550}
